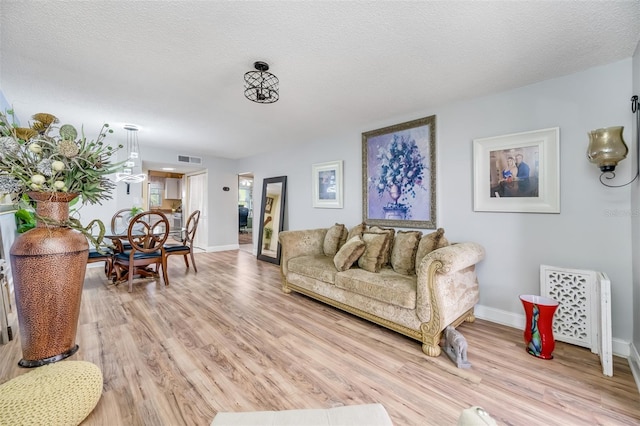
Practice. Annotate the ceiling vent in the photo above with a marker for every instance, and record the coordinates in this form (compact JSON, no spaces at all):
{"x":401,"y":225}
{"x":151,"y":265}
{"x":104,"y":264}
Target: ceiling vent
{"x":189,"y":159}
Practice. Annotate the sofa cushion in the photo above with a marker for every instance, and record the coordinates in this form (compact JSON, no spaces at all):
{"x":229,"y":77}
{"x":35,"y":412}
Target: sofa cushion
{"x":332,"y":239}
{"x":357,"y":230}
{"x":375,"y":246}
{"x":317,"y":266}
{"x":389,"y":232}
{"x":386,"y":286}
{"x":349,"y":253}
{"x":429,"y":243}
{"x":403,"y":255}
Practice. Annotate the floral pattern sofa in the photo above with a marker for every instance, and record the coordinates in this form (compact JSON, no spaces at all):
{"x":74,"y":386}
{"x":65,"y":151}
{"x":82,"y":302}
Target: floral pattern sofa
{"x":411,"y":283}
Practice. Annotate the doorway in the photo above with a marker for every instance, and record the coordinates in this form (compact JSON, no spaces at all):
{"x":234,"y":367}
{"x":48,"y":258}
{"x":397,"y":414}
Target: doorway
{"x":245,"y":212}
{"x":196,"y":199}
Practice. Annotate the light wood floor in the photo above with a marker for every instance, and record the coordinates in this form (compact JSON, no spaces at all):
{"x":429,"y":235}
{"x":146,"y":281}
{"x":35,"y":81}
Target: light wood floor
{"x":228,"y":339}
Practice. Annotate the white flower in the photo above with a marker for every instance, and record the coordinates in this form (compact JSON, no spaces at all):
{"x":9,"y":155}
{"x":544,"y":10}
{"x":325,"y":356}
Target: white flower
{"x":37,"y":179}
{"x":58,"y":166}
{"x":59,"y":184}
{"x":35,"y":148}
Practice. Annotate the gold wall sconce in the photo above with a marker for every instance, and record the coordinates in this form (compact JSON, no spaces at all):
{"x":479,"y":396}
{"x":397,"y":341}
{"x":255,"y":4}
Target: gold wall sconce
{"x":607,"y":148}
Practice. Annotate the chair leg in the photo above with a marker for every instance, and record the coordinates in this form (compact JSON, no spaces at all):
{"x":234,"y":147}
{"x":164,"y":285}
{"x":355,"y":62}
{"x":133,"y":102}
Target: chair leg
{"x":165,"y":274}
{"x":130,"y":279}
{"x":108,"y":267}
{"x":186,"y":261}
{"x":193,"y":260}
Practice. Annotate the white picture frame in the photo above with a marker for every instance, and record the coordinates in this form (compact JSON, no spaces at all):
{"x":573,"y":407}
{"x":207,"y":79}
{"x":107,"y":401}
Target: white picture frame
{"x":499,"y":178}
{"x":326,"y":179}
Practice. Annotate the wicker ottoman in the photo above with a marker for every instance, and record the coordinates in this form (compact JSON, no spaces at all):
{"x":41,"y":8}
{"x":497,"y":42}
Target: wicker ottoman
{"x":63,"y":393}
{"x":368,"y":414}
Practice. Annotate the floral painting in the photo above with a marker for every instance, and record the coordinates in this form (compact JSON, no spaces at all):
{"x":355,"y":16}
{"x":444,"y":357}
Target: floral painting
{"x":399,"y":175}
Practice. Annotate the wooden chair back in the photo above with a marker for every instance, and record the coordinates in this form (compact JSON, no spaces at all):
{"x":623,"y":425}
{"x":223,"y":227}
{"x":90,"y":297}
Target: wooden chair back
{"x":148,"y":231}
{"x":192,"y":227}
{"x":120,"y":221}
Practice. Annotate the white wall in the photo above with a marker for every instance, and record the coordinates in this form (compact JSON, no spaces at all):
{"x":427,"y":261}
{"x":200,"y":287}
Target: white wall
{"x":635,"y":201}
{"x":591,"y":232}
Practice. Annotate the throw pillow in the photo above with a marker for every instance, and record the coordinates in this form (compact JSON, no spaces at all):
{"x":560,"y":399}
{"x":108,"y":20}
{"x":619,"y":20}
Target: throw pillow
{"x":332,"y":239}
{"x":429,"y":243}
{"x":389,"y":232}
{"x":349,"y":253}
{"x":343,"y":237}
{"x":375,"y":245}
{"x":403,"y":256}
{"x":357,"y":230}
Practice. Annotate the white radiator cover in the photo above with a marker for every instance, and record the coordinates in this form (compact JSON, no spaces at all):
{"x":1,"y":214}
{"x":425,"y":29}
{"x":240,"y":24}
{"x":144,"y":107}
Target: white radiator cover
{"x":584,"y":315}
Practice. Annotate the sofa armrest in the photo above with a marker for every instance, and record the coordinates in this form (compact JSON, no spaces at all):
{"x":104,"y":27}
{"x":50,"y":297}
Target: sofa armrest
{"x":457,"y":256}
{"x":446,"y":283}
{"x":300,"y":243}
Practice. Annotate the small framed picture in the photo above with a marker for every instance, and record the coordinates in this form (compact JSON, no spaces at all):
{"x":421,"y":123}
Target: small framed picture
{"x":327,"y":185}
{"x":518,"y":172}
{"x":268,"y":205}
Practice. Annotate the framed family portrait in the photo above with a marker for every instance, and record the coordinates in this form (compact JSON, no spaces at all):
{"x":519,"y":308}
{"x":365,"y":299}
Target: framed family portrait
{"x":399,"y":175}
{"x":519,"y":172}
{"x":327,"y":185}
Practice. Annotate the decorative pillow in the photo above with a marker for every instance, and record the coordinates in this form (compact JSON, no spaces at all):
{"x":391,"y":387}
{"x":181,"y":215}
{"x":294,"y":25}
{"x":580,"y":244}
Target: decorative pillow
{"x":332,"y":239}
{"x":429,"y":243}
{"x":343,"y":237}
{"x":403,"y":256}
{"x":349,"y":253}
{"x":375,"y":245}
{"x":389,"y":232}
{"x":357,"y":230}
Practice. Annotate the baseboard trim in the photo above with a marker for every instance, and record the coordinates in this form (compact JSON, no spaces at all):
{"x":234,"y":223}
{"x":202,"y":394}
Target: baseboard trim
{"x":222,"y":248}
{"x":634,"y":363}
{"x":619,"y":347}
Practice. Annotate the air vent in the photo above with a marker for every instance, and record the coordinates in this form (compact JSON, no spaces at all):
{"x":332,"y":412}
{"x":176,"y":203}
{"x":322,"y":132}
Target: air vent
{"x":188,"y":159}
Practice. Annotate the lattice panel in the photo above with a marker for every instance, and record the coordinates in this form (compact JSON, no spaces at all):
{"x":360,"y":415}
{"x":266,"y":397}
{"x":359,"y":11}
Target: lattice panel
{"x":575,"y":318}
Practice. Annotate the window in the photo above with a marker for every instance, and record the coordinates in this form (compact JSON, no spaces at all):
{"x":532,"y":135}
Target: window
{"x":155,"y":196}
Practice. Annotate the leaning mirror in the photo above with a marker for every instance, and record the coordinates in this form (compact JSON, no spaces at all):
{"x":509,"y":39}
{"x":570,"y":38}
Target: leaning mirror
{"x":271,"y":218}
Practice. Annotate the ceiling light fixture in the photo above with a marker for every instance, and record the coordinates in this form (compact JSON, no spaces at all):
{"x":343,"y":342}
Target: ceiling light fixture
{"x":261,"y":86}
{"x":133,"y":162}
{"x":607,"y":148}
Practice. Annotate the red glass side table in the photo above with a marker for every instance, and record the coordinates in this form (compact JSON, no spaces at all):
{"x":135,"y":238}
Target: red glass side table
{"x":538,"y":332}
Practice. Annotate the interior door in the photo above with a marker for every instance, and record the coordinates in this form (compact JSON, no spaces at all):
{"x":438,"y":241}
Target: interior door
{"x":197,"y":200}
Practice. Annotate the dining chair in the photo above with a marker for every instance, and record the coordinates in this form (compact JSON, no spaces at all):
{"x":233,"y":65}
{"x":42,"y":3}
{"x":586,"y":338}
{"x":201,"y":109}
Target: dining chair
{"x":119,"y":225}
{"x":186,"y":248}
{"x":147,"y":233}
{"x":120,"y":221}
{"x":104,"y":255}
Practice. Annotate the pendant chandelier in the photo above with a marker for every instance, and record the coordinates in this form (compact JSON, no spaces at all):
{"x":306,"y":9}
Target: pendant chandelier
{"x":261,"y":86}
{"x":133,"y":162}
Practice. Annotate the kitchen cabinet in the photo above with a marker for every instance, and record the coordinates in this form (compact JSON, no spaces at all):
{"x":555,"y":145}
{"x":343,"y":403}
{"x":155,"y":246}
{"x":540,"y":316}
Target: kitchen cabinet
{"x":173,"y":189}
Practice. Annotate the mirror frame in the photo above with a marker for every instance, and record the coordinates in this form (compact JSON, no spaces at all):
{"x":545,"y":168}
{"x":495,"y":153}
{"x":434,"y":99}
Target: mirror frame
{"x":283,"y":195}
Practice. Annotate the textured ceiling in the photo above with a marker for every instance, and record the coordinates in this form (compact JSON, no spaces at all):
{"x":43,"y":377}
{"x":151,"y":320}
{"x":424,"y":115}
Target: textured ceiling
{"x":175,"y":68}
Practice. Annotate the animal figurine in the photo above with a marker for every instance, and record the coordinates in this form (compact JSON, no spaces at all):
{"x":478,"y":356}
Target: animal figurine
{"x":455,"y":346}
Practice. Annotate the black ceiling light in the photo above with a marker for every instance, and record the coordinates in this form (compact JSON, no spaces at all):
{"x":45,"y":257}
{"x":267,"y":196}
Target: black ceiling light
{"x":261,"y":86}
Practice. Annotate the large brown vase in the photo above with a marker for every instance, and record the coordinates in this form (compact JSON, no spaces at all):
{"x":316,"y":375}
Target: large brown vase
{"x":48,"y":265}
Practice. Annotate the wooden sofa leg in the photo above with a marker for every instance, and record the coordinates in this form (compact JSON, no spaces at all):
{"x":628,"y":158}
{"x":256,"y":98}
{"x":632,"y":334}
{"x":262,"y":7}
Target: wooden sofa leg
{"x":431,"y":345}
{"x":471,"y":317}
{"x":285,"y":287}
